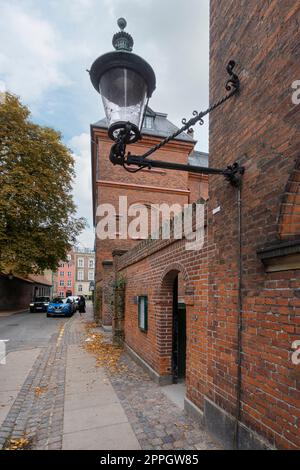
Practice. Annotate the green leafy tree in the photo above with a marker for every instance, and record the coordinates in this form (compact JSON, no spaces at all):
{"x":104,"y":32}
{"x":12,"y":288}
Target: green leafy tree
{"x":37,"y":222}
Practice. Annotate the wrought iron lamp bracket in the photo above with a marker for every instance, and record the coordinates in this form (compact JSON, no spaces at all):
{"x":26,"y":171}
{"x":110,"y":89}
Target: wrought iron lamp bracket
{"x":232,"y":173}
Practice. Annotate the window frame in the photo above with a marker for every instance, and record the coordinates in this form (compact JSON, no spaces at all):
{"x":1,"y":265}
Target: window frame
{"x":148,"y":122}
{"x":143,"y":327}
{"x":91,"y":262}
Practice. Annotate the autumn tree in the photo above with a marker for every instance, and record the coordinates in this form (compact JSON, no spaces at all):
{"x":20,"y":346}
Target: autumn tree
{"x":37,"y":222}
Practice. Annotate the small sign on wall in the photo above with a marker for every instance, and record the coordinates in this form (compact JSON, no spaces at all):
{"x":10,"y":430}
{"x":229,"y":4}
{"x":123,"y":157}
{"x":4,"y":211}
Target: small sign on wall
{"x":216,"y":210}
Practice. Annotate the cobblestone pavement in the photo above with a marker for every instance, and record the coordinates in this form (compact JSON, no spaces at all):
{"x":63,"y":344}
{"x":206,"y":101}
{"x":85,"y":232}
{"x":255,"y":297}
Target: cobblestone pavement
{"x":38,"y":410}
{"x":37,"y":413}
{"x":156,"y":421}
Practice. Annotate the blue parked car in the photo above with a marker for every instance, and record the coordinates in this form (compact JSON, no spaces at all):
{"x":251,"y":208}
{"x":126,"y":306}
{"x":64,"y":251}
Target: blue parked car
{"x":60,"y":307}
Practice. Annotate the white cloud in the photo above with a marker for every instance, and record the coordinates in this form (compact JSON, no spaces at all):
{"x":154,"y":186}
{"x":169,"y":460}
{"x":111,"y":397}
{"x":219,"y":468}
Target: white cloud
{"x":45,"y":47}
{"x":80,"y":145}
{"x":29,"y":62}
{"x":77,"y":11}
{"x":37,"y":53}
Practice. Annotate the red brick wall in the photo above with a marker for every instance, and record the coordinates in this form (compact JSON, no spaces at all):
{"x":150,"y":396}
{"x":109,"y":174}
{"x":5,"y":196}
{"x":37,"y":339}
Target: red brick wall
{"x":289,"y":217}
{"x":146,"y":187}
{"x":260,"y":128}
{"x":150,"y":269}
{"x":198,"y":186}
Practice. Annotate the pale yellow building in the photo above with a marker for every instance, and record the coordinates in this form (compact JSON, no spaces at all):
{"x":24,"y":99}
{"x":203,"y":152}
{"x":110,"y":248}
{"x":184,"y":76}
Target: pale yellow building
{"x":84,"y":259}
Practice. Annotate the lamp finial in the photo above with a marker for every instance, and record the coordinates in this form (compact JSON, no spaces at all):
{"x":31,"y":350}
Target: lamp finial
{"x":122,"y":41}
{"x":122,"y":23}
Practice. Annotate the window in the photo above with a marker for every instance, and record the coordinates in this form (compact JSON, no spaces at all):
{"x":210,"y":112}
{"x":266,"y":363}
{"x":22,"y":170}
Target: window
{"x":69,"y":274}
{"x":143,"y":312}
{"x":80,"y":262}
{"x":61,"y":283}
{"x":61,"y":294}
{"x":69,"y":283}
{"x":79,"y":288}
{"x":91,"y":276}
{"x":91,"y":263}
{"x":148,"y":122}
{"x":61,"y":273}
{"x":80,"y":275}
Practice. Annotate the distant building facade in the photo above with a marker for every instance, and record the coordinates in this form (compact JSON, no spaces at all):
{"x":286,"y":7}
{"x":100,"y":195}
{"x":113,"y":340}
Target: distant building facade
{"x":64,"y":279}
{"x":146,"y":187}
{"x":75,"y":275}
{"x":84,"y":265}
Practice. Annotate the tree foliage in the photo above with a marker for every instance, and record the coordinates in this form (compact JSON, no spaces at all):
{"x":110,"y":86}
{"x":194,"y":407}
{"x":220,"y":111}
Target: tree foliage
{"x":37,"y":222}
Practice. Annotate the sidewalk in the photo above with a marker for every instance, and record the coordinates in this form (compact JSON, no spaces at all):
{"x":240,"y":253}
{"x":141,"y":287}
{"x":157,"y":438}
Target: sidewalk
{"x":93,"y":417}
{"x":105,"y":409}
{"x":8,"y":313}
{"x":60,"y":398}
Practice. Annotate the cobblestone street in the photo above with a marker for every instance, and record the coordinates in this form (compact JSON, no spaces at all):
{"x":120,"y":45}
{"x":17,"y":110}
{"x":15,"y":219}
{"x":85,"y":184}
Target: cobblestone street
{"x":157,"y":422}
{"x":61,"y":386}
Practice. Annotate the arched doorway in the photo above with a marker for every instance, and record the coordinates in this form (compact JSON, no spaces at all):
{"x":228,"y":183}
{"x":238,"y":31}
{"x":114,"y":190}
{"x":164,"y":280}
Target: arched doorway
{"x":178,"y":333}
{"x":174,"y":296}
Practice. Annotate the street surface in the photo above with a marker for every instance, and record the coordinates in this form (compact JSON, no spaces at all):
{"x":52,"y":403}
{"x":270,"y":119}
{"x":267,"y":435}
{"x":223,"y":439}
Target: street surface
{"x":28,"y":330}
{"x":54,"y":396}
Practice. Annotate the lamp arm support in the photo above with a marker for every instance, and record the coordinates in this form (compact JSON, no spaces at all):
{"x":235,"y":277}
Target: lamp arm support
{"x":232,"y":85}
{"x":232,"y":173}
{"x":136,"y":160}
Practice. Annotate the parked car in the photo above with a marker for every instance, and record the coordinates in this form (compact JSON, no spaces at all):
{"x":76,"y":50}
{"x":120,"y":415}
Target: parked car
{"x":40,"y":304}
{"x":74,"y":300}
{"x":60,"y":307}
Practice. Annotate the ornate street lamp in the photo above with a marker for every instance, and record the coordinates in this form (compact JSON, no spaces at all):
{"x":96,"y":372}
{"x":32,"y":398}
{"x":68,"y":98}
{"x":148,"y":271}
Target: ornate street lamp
{"x":126,"y":82}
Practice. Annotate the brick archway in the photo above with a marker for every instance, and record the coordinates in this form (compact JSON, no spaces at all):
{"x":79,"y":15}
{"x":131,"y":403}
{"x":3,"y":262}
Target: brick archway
{"x":289,"y":216}
{"x":168,"y":275}
{"x":164,"y":312}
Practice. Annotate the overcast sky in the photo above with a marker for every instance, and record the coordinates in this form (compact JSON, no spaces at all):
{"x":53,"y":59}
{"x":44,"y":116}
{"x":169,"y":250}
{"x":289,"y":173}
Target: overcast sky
{"x":47,"y":45}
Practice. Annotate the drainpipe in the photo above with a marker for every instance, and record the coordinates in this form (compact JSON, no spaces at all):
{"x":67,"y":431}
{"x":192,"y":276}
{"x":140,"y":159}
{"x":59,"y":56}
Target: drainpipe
{"x":239,"y":323}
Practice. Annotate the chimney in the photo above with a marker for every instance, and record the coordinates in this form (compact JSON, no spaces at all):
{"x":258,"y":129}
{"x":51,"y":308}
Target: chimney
{"x":190,"y":132}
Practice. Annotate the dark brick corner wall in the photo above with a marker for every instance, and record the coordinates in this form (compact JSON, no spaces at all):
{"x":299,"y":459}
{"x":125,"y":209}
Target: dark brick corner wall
{"x":259,"y":128}
{"x":15,"y":293}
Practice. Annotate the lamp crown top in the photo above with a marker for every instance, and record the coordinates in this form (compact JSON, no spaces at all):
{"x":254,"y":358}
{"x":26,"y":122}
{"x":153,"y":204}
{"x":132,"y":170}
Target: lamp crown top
{"x":122,"y":41}
{"x":122,"y":23}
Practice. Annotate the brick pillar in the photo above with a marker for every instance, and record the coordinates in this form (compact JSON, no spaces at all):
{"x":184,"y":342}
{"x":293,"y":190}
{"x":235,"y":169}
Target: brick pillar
{"x":107,"y":292}
{"x":118,"y":319}
{"x":98,"y":304}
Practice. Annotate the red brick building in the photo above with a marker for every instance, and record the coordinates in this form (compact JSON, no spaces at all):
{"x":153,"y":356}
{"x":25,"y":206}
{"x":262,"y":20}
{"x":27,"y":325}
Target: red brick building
{"x":146,"y":187}
{"x":238,"y":314}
